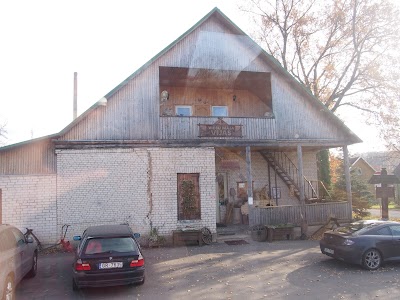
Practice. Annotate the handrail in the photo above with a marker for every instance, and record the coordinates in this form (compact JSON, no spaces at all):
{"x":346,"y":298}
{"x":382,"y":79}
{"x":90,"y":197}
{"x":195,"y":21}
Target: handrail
{"x":286,"y":164}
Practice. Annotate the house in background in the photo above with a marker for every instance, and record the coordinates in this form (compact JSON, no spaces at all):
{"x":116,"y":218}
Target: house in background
{"x":363,"y":170}
{"x":177,"y":143}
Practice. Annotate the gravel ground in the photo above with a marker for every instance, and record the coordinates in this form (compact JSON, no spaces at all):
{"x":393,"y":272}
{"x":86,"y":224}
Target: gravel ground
{"x":257,"y":270}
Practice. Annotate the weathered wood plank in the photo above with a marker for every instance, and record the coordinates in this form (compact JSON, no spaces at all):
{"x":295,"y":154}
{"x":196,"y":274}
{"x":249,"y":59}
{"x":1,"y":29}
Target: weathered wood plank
{"x":316,"y":213}
{"x":181,"y":128}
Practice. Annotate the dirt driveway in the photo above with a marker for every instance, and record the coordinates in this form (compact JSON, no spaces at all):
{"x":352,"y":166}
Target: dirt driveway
{"x":278,"y":270}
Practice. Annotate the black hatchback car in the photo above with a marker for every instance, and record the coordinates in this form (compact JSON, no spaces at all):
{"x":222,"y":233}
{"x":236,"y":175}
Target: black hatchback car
{"x":108,"y":255}
{"x":368,"y":243}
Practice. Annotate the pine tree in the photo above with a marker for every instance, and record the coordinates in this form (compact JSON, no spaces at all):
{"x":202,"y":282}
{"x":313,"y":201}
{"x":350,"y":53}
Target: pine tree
{"x":361,"y":196}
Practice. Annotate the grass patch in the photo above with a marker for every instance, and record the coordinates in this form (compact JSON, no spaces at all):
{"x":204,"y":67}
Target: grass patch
{"x":391,"y":206}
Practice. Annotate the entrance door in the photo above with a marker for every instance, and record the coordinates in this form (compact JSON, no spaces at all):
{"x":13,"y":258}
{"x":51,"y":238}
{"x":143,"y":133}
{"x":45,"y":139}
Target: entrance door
{"x":222,"y":194}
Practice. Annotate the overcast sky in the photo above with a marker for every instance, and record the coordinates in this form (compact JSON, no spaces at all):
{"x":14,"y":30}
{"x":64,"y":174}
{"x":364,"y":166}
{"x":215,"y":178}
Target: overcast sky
{"x":44,"y":42}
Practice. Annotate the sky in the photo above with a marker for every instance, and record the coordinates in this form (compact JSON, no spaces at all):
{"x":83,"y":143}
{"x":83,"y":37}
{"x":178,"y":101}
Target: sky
{"x":44,"y":42}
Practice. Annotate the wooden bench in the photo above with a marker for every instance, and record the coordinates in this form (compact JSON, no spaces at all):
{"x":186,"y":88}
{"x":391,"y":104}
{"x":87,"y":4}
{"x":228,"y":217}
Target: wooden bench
{"x":183,"y":237}
{"x":280,"y":233}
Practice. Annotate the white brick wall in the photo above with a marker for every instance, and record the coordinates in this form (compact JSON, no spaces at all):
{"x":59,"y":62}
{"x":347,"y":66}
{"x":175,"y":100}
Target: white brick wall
{"x":117,"y":185}
{"x":134,"y":185}
{"x":30,"y":201}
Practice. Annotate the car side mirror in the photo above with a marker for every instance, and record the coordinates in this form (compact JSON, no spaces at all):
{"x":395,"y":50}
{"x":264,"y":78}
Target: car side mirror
{"x":29,"y":240}
{"x":77,"y":238}
{"x":136,"y":235}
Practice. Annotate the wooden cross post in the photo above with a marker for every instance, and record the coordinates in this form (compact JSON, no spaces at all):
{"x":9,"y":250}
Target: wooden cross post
{"x":384,"y":191}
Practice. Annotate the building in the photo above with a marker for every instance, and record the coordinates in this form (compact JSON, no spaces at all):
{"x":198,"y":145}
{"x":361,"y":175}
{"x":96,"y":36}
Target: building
{"x":176,"y":144}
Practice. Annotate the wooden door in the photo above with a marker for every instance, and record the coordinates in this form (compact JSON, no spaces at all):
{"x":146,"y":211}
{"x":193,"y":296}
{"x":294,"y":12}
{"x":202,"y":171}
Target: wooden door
{"x":189,"y":206}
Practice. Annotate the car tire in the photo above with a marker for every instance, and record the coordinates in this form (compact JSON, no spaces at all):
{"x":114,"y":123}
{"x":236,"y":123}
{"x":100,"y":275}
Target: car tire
{"x":9,"y":289}
{"x":372,"y":259}
{"x":33,"y":271}
{"x":75,"y":287}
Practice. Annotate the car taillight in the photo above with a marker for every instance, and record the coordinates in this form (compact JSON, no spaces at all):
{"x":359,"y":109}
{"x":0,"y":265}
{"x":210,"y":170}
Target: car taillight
{"x":81,"y":266}
{"x":137,"y":262}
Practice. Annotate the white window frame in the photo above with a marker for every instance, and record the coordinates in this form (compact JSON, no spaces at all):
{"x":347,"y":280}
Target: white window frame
{"x":221,"y":106}
{"x":184,"y":107}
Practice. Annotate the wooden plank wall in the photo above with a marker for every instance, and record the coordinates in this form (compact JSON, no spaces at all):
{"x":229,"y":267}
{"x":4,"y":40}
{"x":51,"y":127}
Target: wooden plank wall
{"x":245,"y":104}
{"x":176,"y":128}
{"x":37,"y":157}
{"x":315,"y":213}
{"x":133,"y":112}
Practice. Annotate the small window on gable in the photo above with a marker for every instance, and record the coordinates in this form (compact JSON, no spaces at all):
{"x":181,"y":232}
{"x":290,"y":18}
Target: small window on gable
{"x":183,"y":110}
{"x":219,"y":111}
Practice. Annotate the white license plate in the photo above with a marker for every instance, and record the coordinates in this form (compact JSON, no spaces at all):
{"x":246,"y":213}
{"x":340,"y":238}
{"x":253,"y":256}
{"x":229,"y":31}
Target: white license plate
{"x":110,"y":265}
{"x":330,"y":251}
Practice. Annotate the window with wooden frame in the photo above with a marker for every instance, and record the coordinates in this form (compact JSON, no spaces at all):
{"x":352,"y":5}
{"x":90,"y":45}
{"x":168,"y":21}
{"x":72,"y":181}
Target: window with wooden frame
{"x":183,"y":110}
{"x":189,"y":205}
{"x":219,"y":111}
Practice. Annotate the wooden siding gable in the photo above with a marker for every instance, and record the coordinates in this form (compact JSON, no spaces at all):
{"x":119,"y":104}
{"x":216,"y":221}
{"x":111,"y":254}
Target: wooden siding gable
{"x":132,"y":111}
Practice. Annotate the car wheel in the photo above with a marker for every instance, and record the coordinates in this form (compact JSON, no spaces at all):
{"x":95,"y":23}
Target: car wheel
{"x":8,"y":293}
{"x":74,"y":286}
{"x":372,"y":259}
{"x":32,"y":272}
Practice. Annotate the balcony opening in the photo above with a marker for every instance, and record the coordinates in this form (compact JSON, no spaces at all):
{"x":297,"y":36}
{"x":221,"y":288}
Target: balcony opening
{"x":209,"y":92}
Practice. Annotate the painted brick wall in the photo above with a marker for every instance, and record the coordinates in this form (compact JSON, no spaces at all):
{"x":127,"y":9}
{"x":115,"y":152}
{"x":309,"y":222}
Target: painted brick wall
{"x":102,"y":187}
{"x":30,"y":201}
{"x":167,"y":163}
{"x":134,"y":185}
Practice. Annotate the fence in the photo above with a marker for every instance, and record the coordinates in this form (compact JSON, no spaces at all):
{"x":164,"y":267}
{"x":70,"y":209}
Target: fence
{"x":315,"y":214}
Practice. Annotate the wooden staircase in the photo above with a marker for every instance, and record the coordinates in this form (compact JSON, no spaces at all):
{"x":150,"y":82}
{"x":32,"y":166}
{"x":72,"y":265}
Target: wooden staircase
{"x":288,"y":172}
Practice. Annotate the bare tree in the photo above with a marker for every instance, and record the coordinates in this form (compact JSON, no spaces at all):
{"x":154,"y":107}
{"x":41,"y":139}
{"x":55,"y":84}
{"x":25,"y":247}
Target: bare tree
{"x":344,"y":51}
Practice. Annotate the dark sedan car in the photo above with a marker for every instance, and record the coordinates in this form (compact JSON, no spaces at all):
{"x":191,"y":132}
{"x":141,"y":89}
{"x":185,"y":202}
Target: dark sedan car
{"x":368,"y":243}
{"x":18,"y":259}
{"x":108,"y":255}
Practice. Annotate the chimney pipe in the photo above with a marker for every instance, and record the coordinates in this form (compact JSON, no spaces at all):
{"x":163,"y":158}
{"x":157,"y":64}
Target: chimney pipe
{"x":75,"y":106}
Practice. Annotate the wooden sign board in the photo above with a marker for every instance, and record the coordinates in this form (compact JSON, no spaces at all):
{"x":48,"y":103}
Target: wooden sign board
{"x":385,"y":192}
{"x":220,"y":129}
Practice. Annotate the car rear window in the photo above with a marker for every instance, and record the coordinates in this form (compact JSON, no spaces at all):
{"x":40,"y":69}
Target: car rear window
{"x":110,"y":245}
{"x":357,"y":227}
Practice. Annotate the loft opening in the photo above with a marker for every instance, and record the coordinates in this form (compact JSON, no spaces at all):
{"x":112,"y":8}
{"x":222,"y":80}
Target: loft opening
{"x":208,"y":92}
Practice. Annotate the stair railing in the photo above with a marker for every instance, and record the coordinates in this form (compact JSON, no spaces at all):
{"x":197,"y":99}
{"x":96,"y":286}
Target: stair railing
{"x":285,"y":164}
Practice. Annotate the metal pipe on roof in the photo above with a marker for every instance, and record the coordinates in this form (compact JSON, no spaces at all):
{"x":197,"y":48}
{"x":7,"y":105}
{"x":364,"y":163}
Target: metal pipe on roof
{"x":75,"y":104}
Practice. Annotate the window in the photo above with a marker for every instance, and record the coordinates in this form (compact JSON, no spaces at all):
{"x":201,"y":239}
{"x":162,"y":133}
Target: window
{"x":219,"y":111}
{"x":183,"y":111}
{"x":395,"y":230}
{"x":189,"y":196}
{"x":383,"y":231}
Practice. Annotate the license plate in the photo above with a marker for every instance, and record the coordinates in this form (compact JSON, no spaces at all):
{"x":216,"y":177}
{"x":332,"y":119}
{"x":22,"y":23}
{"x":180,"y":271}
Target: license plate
{"x":110,"y":265}
{"x":330,"y":251}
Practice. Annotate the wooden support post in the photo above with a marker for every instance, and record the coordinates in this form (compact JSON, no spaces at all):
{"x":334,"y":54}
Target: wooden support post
{"x":304,"y":225}
{"x":249,"y":185}
{"x":347,"y":176}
